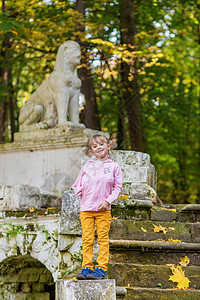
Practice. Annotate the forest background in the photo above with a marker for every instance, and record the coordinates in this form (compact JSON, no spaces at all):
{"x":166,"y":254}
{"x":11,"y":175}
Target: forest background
{"x":139,"y":72}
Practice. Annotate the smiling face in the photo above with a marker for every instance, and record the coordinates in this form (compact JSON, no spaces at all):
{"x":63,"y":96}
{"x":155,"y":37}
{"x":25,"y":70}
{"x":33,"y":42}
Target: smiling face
{"x":100,"y":148}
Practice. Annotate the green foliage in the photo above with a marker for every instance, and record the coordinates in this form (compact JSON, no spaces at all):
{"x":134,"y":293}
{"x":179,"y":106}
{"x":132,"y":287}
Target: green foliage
{"x":171,"y":116}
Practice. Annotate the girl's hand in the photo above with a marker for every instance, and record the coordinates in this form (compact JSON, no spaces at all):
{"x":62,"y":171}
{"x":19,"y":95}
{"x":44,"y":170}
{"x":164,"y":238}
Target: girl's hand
{"x":104,"y":206}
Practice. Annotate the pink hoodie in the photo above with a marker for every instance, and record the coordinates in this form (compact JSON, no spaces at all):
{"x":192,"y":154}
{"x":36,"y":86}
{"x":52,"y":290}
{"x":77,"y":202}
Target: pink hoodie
{"x":98,"y":181}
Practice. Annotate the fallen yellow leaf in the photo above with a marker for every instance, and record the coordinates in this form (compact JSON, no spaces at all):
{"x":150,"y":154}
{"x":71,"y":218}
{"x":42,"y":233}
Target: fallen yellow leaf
{"x":31,"y":209}
{"x":123,"y":197}
{"x":129,"y":287}
{"x":174,"y":241}
{"x":169,"y":209}
{"x":184,"y":261}
{"x":160,"y":229}
{"x":143,"y":229}
{"x":171,"y":228}
{"x":74,"y":279}
{"x":115,"y":218}
{"x":179,"y":277}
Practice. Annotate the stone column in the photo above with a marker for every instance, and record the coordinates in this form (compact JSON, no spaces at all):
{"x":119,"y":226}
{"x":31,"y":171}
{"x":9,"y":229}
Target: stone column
{"x":86,"y":290}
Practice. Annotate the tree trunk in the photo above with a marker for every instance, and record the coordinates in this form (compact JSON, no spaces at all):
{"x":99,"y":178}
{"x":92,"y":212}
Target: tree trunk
{"x":6,"y":87}
{"x":130,"y":86}
{"x":4,"y":91}
{"x":198,"y":131}
{"x":11,"y":103}
{"x":90,"y":116}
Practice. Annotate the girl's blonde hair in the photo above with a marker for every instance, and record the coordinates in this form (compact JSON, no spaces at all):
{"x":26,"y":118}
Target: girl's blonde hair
{"x":94,"y":138}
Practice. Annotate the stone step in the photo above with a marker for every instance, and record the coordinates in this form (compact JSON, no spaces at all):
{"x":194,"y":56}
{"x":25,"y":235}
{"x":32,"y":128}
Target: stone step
{"x":144,"y":230}
{"x":161,"y":294}
{"x":183,"y":213}
{"x":141,"y":210}
{"x":151,"y":252}
{"x":150,"y":276}
{"x":132,"y":209}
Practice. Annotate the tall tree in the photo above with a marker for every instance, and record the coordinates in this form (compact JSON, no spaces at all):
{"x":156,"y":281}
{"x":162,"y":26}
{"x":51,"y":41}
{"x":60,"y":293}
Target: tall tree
{"x":90,"y":116}
{"x":7,"y":95}
{"x":130,"y":83}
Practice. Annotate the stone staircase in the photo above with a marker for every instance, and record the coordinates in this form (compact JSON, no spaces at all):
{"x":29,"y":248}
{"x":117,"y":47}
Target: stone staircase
{"x":140,"y":257}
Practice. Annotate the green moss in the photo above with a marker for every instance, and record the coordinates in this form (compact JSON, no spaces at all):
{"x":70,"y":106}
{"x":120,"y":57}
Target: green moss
{"x":52,"y":211}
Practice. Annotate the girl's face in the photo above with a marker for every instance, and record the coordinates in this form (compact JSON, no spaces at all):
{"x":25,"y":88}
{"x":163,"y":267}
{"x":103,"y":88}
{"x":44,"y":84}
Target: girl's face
{"x":100,"y":149}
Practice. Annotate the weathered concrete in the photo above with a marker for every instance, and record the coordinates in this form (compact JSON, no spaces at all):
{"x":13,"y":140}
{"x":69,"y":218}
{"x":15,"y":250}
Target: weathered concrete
{"x":23,"y":197}
{"x":28,"y":296}
{"x":86,"y":290}
{"x":70,"y":214}
{"x":37,"y":237}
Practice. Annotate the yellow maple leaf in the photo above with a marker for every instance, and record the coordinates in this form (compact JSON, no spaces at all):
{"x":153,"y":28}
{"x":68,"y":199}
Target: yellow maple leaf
{"x":184,"y":261}
{"x":115,"y":218}
{"x":143,"y":229}
{"x":31,"y":209}
{"x":160,"y":228}
{"x":179,"y":277}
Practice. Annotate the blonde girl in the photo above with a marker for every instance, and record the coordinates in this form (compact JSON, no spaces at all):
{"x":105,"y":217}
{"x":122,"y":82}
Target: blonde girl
{"x":99,"y":184}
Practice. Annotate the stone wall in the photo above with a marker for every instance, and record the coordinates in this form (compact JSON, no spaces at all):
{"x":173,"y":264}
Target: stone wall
{"x":29,"y":255}
{"x":23,"y":277}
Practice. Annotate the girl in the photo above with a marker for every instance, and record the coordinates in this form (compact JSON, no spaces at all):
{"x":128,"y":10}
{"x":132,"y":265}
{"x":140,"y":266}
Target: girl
{"x":99,"y":184}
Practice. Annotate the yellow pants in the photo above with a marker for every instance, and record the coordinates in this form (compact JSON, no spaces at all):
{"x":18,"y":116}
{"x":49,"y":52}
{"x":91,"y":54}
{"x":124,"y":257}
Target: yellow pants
{"x":103,"y":219}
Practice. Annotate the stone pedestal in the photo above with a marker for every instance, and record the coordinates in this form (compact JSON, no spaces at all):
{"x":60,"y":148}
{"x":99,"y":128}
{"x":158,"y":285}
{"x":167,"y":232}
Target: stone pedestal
{"x":86,"y":290}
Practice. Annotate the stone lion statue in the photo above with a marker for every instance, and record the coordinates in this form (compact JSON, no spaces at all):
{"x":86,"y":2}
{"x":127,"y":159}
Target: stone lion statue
{"x":58,"y":96}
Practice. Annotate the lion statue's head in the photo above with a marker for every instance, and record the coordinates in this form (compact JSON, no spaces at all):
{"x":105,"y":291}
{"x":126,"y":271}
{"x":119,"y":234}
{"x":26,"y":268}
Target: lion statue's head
{"x":64,"y":56}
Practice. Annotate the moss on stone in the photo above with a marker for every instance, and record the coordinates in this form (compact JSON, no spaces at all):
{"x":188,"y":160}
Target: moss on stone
{"x":161,"y":294}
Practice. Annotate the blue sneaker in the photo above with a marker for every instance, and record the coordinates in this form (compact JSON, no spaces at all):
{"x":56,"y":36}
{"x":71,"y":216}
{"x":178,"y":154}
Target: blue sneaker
{"x":83,"y":274}
{"x":98,"y":273}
